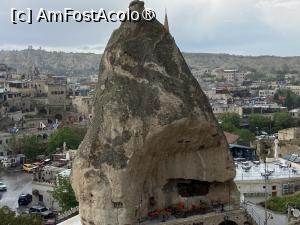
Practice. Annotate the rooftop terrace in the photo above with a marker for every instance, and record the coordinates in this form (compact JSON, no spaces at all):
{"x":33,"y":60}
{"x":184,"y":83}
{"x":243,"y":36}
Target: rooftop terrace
{"x":256,"y":170}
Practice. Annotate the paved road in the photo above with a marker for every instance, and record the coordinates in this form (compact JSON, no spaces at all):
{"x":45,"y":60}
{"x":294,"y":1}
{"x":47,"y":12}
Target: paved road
{"x":17,"y":183}
{"x":258,"y":214}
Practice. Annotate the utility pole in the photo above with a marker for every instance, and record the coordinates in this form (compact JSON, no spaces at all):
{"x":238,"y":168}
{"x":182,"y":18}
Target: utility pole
{"x":266,"y":194}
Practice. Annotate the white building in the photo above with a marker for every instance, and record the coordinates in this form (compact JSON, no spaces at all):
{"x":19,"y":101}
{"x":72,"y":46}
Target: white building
{"x":282,"y":180}
{"x":43,"y":184}
{"x":295,"y":113}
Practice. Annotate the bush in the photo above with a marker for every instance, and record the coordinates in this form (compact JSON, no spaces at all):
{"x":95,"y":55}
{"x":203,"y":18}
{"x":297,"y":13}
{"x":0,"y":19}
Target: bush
{"x":9,"y":217}
{"x":279,"y":204}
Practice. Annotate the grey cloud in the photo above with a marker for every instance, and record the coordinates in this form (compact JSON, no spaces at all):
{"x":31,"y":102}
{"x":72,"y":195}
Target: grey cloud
{"x":230,"y":26}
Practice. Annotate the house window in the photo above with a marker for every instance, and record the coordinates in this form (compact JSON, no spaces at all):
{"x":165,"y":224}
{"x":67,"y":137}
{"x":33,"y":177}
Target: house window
{"x":274,"y":187}
{"x":0,"y":142}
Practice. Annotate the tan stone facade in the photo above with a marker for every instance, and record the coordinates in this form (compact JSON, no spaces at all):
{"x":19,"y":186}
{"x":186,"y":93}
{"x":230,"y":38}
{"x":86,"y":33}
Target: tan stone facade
{"x":289,"y":134}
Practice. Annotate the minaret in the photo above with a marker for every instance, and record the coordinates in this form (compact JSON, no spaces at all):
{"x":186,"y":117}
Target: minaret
{"x":166,"y":23}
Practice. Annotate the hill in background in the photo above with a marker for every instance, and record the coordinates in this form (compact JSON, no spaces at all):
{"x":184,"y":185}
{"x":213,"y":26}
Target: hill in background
{"x":84,"y":64}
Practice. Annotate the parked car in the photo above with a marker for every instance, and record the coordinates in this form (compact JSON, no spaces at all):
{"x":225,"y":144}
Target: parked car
{"x":37,"y":164}
{"x":2,"y":186}
{"x":28,"y":168}
{"x":42,"y":211}
{"x":24,"y":199}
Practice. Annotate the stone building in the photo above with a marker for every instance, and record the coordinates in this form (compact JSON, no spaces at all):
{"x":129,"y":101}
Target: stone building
{"x":6,"y":72}
{"x":289,"y":134}
{"x":83,"y":105}
{"x":57,"y":95}
{"x":233,"y":76}
{"x":5,"y":139}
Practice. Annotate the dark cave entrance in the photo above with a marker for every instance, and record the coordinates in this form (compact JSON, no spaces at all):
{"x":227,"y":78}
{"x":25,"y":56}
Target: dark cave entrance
{"x":187,"y":187}
{"x":228,"y":222}
{"x":191,"y":188}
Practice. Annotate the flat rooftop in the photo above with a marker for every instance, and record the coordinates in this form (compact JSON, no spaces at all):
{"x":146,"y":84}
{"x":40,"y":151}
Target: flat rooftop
{"x":256,"y":171}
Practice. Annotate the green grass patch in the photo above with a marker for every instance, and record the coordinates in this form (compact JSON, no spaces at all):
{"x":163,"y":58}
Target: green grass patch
{"x":279,"y":204}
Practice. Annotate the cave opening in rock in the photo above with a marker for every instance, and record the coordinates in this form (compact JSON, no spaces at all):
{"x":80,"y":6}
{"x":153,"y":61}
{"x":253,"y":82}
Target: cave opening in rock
{"x":187,"y":187}
{"x":228,"y":222}
{"x":191,"y":188}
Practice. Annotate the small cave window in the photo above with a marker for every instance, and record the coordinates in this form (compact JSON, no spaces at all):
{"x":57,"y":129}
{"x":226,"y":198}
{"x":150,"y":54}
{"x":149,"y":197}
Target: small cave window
{"x":152,"y":201}
{"x":117,"y":205}
{"x":190,"y":188}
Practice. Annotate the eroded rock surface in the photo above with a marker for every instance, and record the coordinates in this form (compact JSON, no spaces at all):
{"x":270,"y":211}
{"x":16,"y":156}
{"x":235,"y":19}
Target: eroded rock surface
{"x":153,"y":138}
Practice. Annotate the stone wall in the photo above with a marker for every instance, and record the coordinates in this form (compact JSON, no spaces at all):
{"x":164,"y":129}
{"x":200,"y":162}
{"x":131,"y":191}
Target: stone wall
{"x":289,"y":134}
{"x":237,"y":216}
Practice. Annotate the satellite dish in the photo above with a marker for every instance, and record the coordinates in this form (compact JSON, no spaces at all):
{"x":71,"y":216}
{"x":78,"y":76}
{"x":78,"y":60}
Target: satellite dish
{"x":296,"y":213}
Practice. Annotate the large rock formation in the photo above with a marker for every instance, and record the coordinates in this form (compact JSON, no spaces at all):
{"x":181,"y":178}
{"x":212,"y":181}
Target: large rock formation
{"x":154,"y":141}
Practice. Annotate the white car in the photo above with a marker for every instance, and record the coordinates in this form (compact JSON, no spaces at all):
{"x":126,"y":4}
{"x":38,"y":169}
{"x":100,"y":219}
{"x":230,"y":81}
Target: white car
{"x":2,"y":186}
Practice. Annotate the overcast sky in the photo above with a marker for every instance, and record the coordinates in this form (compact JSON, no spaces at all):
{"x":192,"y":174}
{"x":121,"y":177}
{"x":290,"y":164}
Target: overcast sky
{"x":246,"y":27}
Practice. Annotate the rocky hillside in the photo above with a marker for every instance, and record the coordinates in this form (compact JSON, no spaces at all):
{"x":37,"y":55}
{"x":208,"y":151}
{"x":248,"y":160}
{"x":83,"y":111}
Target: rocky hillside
{"x":58,"y":63}
{"x":261,"y":64}
{"x":83,"y":64}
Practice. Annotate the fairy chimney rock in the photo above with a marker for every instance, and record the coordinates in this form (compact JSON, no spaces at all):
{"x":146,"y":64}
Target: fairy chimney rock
{"x":154,"y":141}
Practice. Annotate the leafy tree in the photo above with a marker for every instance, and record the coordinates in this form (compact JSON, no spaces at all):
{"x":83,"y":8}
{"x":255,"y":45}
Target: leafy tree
{"x":230,"y":120}
{"x":229,"y":127}
{"x":15,"y":144}
{"x":9,"y":217}
{"x":287,"y":98}
{"x":30,"y":145}
{"x":255,"y":76}
{"x":258,"y":121}
{"x":64,"y":194}
{"x":246,"y":136}
{"x":282,"y":120}
{"x":33,"y":147}
{"x":72,"y":137}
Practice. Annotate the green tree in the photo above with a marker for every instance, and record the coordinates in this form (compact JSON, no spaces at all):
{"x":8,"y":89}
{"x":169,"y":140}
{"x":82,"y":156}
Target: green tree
{"x":9,"y":217}
{"x":64,"y":194}
{"x":32,"y":147}
{"x":29,"y":145}
{"x":282,"y":120}
{"x":258,"y":121}
{"x":229,"y":127}
{"x":287,"y":98}
{"x":14,"y":144}
{"x":246,"y":136}
{"x":72,"y":137}
{"x":230,"y":121}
